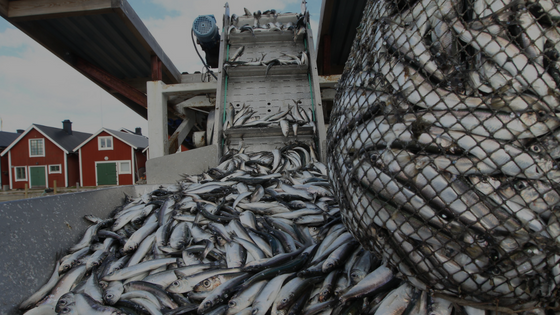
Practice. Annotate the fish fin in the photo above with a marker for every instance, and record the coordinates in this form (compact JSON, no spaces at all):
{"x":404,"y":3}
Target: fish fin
{"x":180,"y":275}
{"x":497,"y":102}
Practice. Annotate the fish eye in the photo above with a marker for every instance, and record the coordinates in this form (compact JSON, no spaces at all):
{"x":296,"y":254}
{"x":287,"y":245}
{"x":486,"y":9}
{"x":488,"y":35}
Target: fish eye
{"x":353,"y":275}
{"x":232,"y":303}
{"x":109,"y":296}
{"x":535,"y":148}
{"x":206,"y":283}
{"x":520,"y":185}
{"x":494,"y":255}
{"x":208,"y":304}
{"x":176,"y":283}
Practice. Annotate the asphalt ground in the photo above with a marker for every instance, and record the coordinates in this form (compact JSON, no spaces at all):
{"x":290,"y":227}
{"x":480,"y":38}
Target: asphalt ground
{"x":18,"y":194}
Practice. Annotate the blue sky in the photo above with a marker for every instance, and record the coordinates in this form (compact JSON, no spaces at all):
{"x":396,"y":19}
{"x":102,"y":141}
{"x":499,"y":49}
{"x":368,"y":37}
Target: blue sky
{"x":37,"y":87}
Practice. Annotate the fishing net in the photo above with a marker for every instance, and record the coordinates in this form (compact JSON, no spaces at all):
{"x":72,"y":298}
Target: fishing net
{"x":443,"y":146}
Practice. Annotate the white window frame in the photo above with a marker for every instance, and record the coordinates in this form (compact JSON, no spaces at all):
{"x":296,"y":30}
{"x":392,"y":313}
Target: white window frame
{"x":37,"y":139}
{"x":56,"y":172}
{"x":129,"y":167}
{"x":106,"y":148}
{"x":15,"y":174}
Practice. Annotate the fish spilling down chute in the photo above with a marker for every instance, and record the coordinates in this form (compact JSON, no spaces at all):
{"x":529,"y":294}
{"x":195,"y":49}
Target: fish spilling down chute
{"x":443,"y":146}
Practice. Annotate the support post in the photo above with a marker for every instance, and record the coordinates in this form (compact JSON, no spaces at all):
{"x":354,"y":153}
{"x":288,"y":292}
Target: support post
{"x":326,"y":51}
{"x":321,"y":129}
{"x":26,"y":190}
{"x":181,"y":133}
{"x":157,"y":119}
{"x":54,"y":188}
{"x":157,"y":73}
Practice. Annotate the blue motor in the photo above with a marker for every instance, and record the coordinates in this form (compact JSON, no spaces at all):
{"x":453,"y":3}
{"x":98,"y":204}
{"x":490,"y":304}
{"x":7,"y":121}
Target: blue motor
{"x":208,"y":37}
{"x":206,"y":30}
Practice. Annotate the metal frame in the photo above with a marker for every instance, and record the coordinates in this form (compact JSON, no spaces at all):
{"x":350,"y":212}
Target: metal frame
{"x":159,"y":94}
{"x":249,"y":85}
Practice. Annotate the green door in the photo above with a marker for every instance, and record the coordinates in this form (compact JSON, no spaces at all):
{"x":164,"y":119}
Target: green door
{"x":106,"y":174}
{"x":37,"y":176}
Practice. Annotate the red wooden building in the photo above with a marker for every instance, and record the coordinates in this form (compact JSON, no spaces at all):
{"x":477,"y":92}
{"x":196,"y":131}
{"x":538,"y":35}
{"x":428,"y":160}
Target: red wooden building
{"x":6,"y":138}
{"x":110,"y":157}
{"x":43,"y":154}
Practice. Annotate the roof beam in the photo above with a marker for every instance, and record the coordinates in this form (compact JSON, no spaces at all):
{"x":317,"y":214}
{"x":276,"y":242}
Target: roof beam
{"x":140,"y":30}
{"x":110,"y":81}
{"x":328,"y":81}
{"x":4,"y":8}
{"x":198,"y":88}
{"x":55,"y":8}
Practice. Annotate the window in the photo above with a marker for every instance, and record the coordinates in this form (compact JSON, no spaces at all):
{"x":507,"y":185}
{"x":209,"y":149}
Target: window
{"x":54,"y":169}
{"x":36,"y":147}
{"x":21,"y":173}
{"x":105,"y":143}
{"x":124,"y":167}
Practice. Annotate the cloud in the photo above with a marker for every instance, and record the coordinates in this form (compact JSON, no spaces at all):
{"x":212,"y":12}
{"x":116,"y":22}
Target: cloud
{"x":12,"y":38}
{"x":37,"y":87}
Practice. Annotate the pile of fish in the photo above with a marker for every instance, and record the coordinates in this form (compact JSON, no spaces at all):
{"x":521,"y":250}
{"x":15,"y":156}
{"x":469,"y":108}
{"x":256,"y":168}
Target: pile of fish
{"x":294,"y":116}
{"x":261,"y":232}
{"x":443,"y":145}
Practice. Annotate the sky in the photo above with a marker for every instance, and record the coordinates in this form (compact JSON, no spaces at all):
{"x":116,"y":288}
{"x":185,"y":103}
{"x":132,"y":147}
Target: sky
{"x":36,"y":87}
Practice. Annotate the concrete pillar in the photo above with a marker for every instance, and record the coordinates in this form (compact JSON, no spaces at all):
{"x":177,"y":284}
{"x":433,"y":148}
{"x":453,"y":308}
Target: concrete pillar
{"x":157,"y":119}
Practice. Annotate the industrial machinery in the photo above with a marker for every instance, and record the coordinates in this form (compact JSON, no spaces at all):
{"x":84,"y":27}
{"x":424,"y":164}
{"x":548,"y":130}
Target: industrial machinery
{"x":267,"y":66}
{"x":208,"y":37}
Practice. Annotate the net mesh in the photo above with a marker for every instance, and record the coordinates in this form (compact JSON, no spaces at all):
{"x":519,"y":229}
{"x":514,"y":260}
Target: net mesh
{"x":443,"y":145}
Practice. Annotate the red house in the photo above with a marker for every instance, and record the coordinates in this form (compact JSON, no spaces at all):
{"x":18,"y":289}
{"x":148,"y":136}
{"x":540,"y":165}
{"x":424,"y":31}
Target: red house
{"x":42,"y":154}
{"x":110,"y":157}
{"x":6,"y":138}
